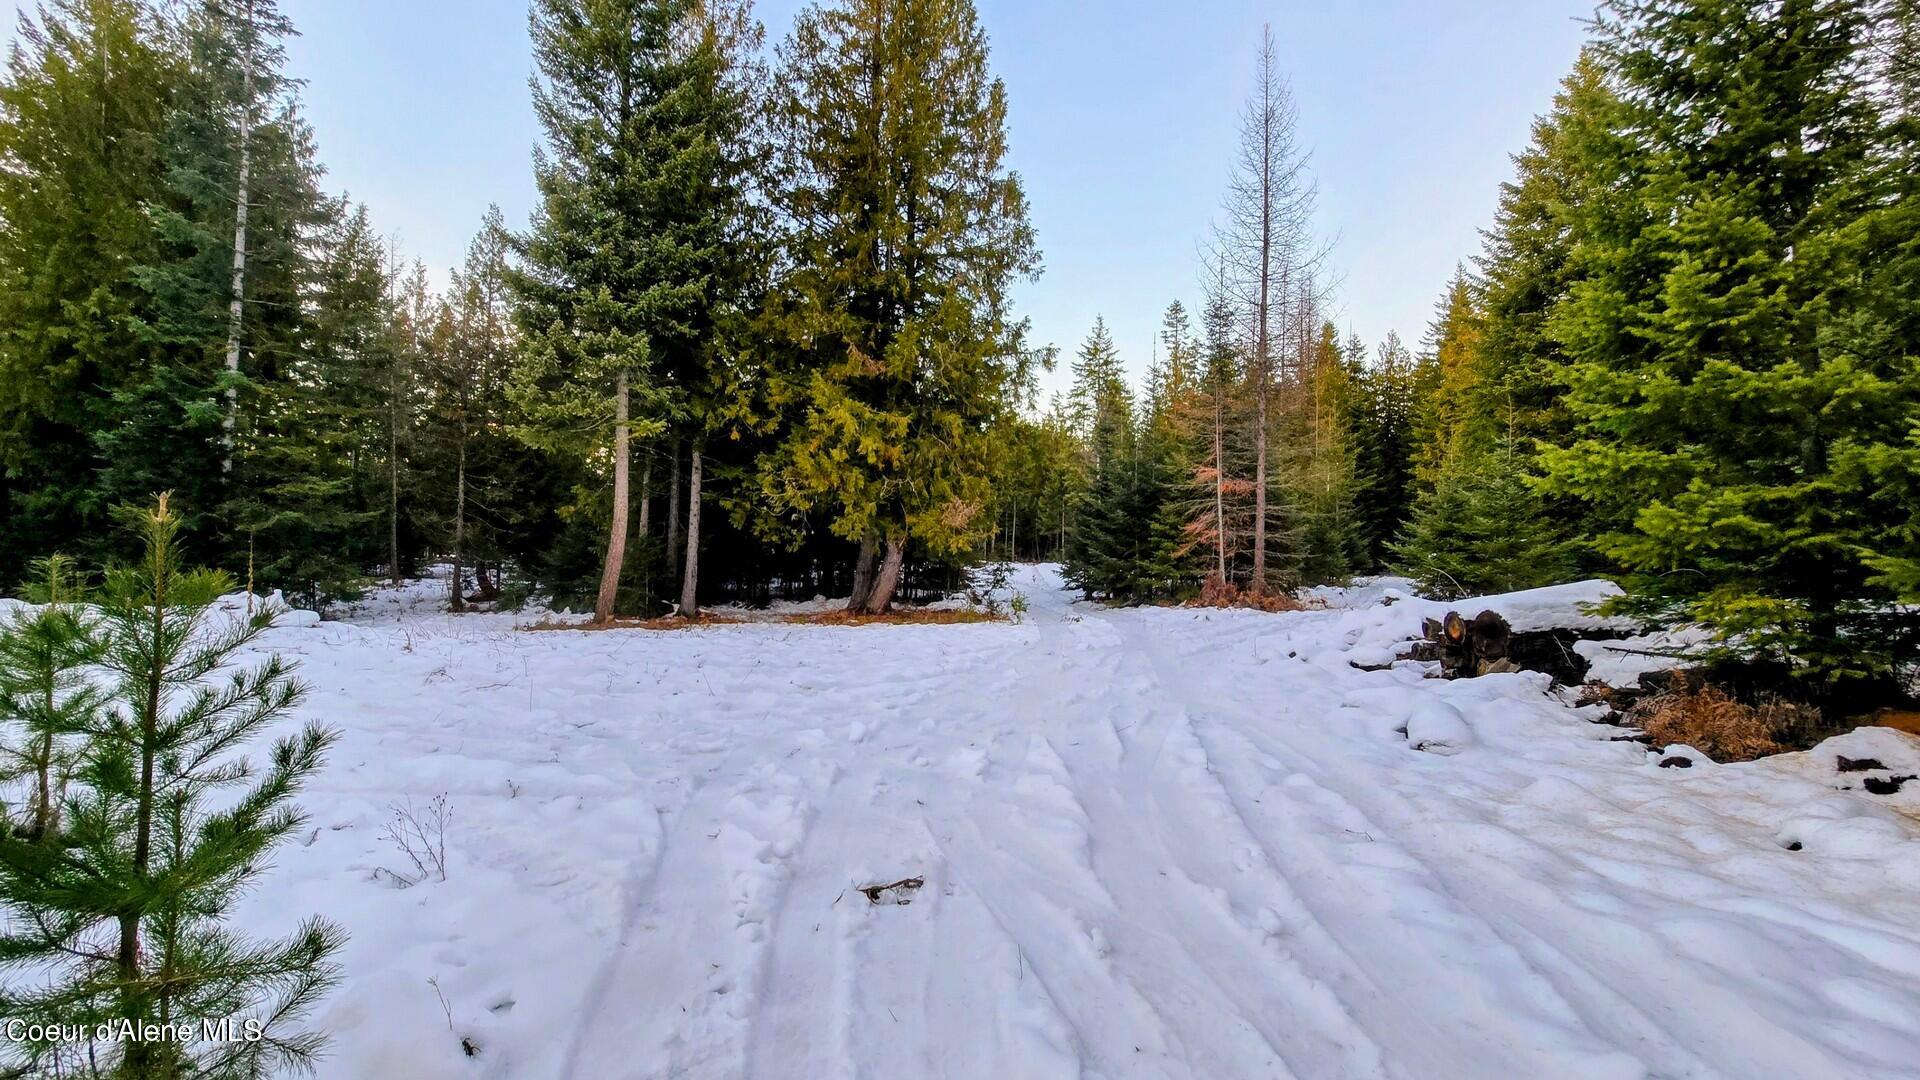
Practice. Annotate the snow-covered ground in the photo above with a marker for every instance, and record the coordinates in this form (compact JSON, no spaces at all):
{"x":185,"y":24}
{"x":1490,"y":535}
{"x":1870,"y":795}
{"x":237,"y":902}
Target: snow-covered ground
{"x":1154,"y":843}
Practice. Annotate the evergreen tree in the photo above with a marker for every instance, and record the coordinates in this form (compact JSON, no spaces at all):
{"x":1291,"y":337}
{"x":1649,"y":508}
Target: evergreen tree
{"x":1525,"y":269}
{"x":46,"y":695}
{"x":703,"y":271}
{"x":122,"y":920}
{"x":1483,"y":529}
{"x":1108,"y":529}
{"x":1380,"y":419}
{"x":312,"y":431}
{"x":1218,"y":495}
{"x":1326,"y":481}
{"x":232,"y":129}
{"x":82,"y":106}
{"x":587,"y":284}
{"x":1456,"y":416}
{"x":1735,"y":338}
{"x":479,"y":485}
{"x":906,"y":229}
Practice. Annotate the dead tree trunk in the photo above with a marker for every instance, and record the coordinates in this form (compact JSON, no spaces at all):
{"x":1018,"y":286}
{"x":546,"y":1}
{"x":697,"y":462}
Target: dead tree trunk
{"x":617,"y":534}
{"x":888,"y":579}
{"x":690,"y":581}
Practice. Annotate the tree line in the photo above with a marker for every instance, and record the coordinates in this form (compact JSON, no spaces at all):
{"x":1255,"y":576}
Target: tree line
{"x":1687,"y":356}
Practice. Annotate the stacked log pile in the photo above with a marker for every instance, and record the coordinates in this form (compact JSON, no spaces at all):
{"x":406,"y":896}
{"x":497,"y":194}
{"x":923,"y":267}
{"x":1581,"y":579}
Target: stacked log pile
{"x":1487,"y":645}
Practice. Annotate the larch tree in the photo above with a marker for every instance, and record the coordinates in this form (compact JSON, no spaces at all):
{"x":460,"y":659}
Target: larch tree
{"x":905,"y":230}
{"x":1267,"y":250}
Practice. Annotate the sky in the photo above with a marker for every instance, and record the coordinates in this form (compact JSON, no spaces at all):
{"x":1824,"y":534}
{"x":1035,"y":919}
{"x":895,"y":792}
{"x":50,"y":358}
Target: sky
{"x":1123,"y":117}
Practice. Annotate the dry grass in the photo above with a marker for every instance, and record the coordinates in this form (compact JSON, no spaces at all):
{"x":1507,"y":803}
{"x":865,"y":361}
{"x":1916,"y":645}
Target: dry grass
{"x":1216,"y":593}
{"x":1712,"y":722}
{"x":1907,"y":720}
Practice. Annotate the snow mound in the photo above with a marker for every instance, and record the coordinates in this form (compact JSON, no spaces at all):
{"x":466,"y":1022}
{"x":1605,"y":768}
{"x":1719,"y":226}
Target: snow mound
{"x":1438,"y":728}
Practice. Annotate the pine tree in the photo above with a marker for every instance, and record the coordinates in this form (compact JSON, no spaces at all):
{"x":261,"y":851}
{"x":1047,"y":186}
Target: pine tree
{"x":1380,"y":420}
{"x":1266,"y":252}
{"x":906,"y":229}
{"x":123,"y":920}
{"x":1483,"y":529}
{"x":587,"y":285}
{"x":1457,"y":413}
{"x":1730,"y":341}
{"x":82,"y":105}
{"x":46,"y":696}
{"x":311,"y":436}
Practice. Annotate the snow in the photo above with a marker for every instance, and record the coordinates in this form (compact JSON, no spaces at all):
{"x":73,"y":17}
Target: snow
{"x":1154,"y":842}
{"x":1438,"y":728}
{"x":1621,"y":662}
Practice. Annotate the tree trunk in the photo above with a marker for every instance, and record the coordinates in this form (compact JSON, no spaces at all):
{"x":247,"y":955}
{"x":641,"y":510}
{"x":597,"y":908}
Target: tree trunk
{"x":646,"y":500}
{"x":393,"y":472}
{"x":237,"y":288}
{"x":617,"y":535}
{"x":459,"y":600}
{"x":673,"y":513}
{"x":1259,"y":583}
{"x":888,"y":579}
{"x":1219,"y":486}
{"x":863,"y":573}
{"x":690,"y":581}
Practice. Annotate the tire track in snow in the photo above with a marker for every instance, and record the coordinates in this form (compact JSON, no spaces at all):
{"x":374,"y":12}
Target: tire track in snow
{"x":1227,"y":995}
{"x":1627,"y":986}
{"x":675,"y":997}
{"x":1374,"y":987}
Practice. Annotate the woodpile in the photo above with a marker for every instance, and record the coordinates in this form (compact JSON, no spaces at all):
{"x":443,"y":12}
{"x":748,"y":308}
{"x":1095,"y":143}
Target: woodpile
{"x":1487,"y":645}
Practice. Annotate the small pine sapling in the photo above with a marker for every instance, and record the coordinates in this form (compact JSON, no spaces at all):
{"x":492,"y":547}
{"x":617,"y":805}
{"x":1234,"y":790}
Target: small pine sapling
{"x":46,"y":696}
{"x":123,"y":923}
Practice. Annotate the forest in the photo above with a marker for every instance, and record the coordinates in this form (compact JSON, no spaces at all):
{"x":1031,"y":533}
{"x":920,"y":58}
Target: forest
{"x":758,"y":343}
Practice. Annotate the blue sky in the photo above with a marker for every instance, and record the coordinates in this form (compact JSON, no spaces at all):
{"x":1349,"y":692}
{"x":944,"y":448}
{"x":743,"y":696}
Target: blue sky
{"x":1123,"y":123}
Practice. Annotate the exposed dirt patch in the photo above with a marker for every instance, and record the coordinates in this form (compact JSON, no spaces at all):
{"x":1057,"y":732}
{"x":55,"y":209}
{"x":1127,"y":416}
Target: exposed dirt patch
{"x":663,"y":622}
{"x":909,"y":617}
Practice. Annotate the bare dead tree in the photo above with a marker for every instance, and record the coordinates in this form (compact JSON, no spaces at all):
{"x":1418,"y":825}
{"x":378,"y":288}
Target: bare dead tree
{"x":1265,"y":246}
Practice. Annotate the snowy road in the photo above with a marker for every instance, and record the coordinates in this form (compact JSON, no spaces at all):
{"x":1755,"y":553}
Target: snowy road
{"x":1155,"y":843}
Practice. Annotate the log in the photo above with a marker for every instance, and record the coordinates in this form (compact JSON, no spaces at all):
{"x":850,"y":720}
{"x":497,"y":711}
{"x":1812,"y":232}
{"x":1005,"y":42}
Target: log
{"x":1487,"y":644}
